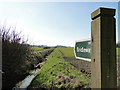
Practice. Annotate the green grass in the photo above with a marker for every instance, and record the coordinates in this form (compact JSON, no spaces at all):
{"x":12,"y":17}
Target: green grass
{"x":57,"y":67}
{"x":36,"y":48}
{"x":118,"y":72}
{"x":68,"y":52}
{"x":118,"y":78}
{"x":59,"y":73}
{"x":118,"y":51}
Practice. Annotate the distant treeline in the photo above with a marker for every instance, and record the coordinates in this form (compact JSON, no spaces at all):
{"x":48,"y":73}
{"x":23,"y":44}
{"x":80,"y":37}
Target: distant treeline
{"x":45,"y":46}
{"x":41,"y":46}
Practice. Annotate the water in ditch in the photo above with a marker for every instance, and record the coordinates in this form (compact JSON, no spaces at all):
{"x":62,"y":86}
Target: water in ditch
{"x":26,"y":82}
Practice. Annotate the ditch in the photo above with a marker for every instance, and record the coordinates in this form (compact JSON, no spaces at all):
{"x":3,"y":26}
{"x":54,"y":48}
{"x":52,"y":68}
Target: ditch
{"x":26,"y":82}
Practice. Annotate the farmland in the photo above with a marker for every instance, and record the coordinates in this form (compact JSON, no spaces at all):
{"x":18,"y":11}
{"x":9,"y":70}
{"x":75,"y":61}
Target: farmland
{"x":62,"y":71}
{"x":58,"y":73}
{"x":36,"y":48}
{"x":67,"y":52}
{"x":85,"y":66}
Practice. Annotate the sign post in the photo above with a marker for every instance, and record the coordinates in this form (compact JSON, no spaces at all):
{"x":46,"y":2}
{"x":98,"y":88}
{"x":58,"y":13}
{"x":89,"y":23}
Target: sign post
{"x":103,"y":49}
{"x":82,"y":49}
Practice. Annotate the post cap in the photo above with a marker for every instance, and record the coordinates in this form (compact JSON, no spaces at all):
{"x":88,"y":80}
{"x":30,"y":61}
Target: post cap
{"x":102,"y":12}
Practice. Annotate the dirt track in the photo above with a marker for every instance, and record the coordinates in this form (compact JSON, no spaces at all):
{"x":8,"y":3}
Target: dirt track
{"x":83,"y":66}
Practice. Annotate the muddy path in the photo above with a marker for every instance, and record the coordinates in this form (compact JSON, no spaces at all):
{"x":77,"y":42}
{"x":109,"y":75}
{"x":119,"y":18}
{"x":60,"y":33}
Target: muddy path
{"x":81,"y":65}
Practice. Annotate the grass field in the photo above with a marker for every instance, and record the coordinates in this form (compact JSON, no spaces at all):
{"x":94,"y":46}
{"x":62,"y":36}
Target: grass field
{"x":68,"y":52}
{"x":36,"y":48}
{"x":59,"y":73}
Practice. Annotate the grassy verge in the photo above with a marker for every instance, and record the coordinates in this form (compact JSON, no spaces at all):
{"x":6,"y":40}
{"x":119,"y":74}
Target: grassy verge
{"x":68,"y":52}
{"x":117,"y":51}
{"x":57,"y":73}
{"x":118,"y":72}
{"x":118,"y":79}
{"x":37,"y":57}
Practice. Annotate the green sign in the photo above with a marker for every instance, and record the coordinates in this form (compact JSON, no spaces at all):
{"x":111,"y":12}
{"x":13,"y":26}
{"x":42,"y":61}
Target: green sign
{"x":82,"y":49}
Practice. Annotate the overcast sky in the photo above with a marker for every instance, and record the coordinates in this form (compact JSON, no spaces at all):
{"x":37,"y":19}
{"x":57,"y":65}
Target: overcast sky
{"x":52,"y":23}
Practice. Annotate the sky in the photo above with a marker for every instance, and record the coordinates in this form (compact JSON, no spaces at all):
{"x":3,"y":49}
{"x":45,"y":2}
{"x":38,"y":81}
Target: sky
{"x":52,"y":23}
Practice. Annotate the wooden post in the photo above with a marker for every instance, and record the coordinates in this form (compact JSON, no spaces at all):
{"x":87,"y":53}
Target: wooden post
{"x":0,"y":60}
{"x":103,"y":49}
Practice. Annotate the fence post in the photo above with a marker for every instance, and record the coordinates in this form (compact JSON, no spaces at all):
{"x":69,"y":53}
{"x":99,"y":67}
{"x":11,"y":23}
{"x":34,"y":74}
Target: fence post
{"x":0,"y":60}
{"x":103,"y":49}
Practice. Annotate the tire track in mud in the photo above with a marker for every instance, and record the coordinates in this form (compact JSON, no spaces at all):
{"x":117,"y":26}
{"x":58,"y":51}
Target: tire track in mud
{"x":81,"y":65}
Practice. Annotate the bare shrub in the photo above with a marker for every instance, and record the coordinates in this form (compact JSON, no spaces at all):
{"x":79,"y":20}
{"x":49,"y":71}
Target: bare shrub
{"x":15,"y":51}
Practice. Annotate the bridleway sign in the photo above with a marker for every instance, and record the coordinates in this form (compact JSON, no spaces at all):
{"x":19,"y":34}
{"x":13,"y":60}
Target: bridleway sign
{"x":82,"y":49}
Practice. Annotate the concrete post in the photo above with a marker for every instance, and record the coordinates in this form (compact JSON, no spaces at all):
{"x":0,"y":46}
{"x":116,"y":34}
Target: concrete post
{"x":103,"y":49}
